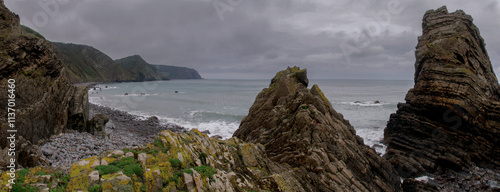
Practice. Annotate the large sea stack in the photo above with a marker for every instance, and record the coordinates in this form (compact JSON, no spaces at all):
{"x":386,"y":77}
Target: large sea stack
{"x":46,"y":102}
{"x":451,"y":118}
{"x":299,"y":127}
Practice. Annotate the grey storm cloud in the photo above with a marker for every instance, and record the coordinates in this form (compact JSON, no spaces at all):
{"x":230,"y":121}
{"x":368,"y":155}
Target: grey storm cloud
{"x":256,"y":38}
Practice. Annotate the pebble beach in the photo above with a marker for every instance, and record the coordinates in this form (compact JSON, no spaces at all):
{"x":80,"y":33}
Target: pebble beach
{"x":125,"y":131}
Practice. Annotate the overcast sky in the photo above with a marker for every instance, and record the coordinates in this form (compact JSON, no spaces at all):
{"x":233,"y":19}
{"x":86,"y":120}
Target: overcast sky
{"x":253,"y":39}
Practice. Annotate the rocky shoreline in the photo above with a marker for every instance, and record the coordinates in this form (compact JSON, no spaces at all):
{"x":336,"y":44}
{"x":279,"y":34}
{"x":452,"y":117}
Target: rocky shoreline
{"x":125,"y":131}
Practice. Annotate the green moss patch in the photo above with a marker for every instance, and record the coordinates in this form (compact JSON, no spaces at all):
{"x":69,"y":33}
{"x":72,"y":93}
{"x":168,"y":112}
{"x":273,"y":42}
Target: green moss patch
{"x":135,"y":168}
{"x":63,"y":181}
{"x":158,"y":144}
{"x":19,"y":185}
{"x":176,"y":163}
{"x":95,"y":188}
{"x":206,"y":171}
{"x":127,"y":165}
{"x":107,"y":169}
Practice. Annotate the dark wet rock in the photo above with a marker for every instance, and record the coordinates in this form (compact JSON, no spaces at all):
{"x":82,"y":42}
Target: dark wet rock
{"x":27,"y":154}
{"x":451,"y":118}
{"x":471,"y":179}
{"x":299,"y":127}
{"x":153,"y":120}
{"x":412,"y":185}
{"x":98,"y":125}
{"x":494,"y":184}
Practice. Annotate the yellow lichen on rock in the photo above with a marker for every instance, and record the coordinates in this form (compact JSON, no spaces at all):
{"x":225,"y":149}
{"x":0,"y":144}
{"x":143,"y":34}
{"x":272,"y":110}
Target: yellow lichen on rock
{"x":117,"y":182}
{"x":4,"y":182}
{"x":34,"y":175}
{"x":79,"y":172}
{"x":177,"y":148}
{"x":248,"y":155}
{"x":152,"y":178}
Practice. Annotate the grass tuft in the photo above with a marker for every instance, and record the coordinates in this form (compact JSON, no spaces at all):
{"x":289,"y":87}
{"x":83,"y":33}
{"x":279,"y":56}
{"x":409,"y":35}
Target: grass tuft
{"x":107,"y":169}
{"x":176,"y":163}
{"x":207,"y":171}
{"x":95,"y":188}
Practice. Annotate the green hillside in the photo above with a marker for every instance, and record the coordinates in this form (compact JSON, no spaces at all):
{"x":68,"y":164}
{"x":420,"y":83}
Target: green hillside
{"x":27,"y":30}
{"x":87,"y":64}
{"x":142,"y":70}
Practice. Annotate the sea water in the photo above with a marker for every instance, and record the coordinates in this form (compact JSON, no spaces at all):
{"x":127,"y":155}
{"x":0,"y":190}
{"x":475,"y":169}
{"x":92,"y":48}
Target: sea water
{"x":219,"y":105}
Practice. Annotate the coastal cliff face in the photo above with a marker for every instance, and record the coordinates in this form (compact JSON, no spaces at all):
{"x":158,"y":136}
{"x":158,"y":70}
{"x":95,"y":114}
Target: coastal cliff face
{"x":298,"y":127}
{"x":46,"y":102}
{"x":451,"y":117}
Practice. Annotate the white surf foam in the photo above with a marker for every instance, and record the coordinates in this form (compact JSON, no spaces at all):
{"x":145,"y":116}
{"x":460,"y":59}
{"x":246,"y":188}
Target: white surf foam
{"x":373,"y":138}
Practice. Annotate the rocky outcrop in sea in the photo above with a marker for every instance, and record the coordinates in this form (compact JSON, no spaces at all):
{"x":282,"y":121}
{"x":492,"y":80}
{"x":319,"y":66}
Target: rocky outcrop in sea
{"x":451,"y":118}
{"x":298,"y":127}
{"x":46,"y":102}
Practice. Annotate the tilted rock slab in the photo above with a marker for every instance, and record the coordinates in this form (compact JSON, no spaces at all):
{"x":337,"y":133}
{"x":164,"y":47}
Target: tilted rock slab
{"x":46,"y":101}
{"x":451,"y":117}
{"x":298,"y":127}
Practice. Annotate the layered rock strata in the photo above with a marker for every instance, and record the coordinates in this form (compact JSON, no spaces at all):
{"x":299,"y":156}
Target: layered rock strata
{"x":298,"y":127}
{"x":45,"y":100}
{"x":451,"y":117}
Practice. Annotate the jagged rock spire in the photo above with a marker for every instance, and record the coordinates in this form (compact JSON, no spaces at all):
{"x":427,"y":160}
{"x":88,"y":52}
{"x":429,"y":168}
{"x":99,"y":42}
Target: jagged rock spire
{"x":299,"y":127}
